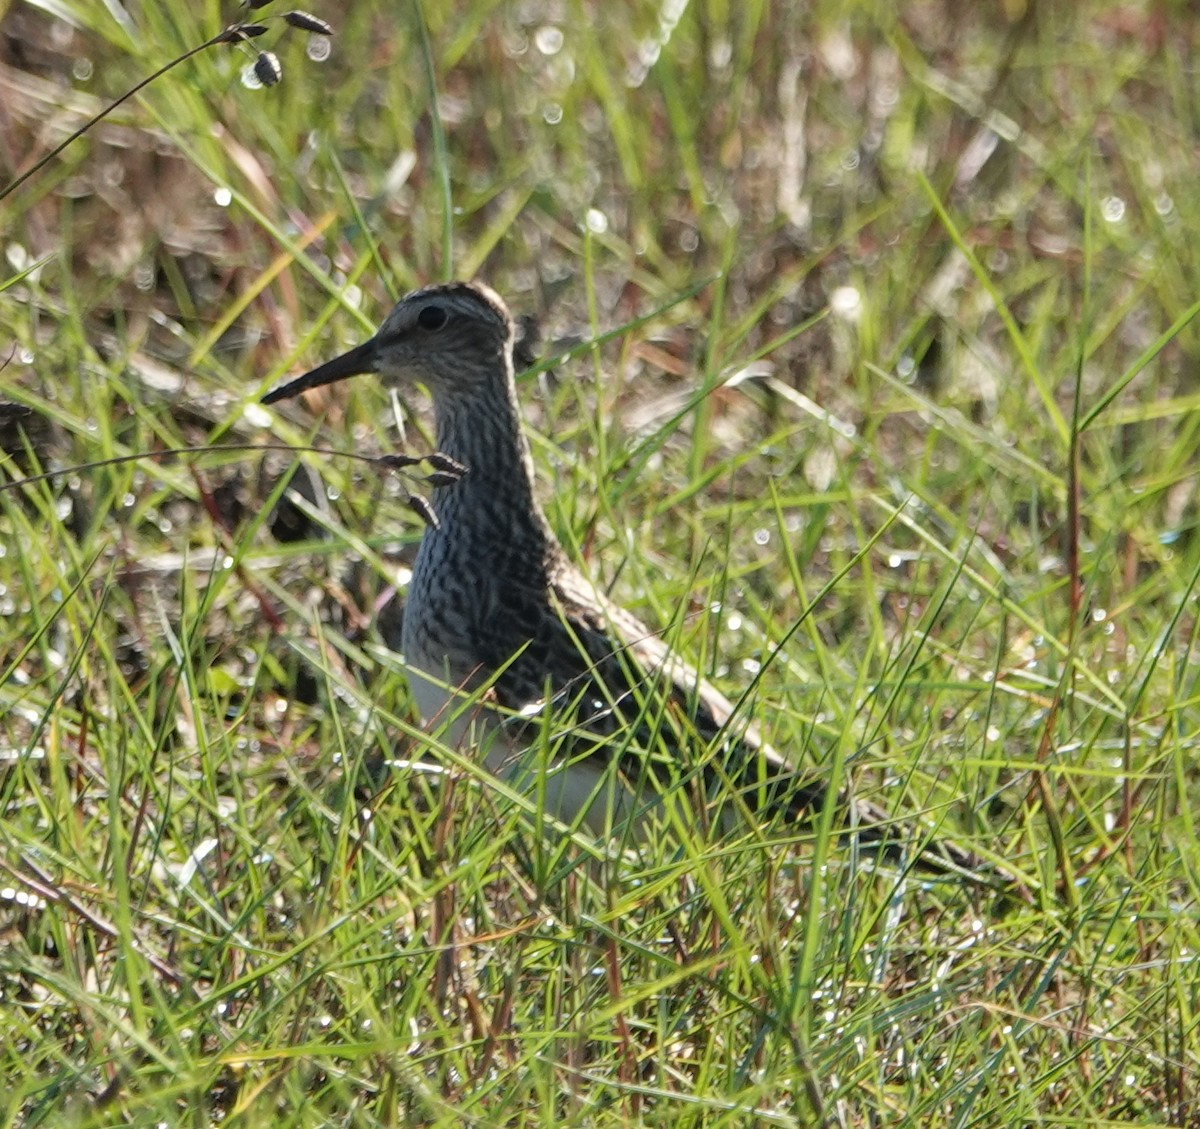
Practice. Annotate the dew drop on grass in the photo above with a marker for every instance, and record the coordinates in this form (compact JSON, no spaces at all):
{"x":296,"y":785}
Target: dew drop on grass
{"x":18,"y":257}
{"x":222,"y":197}
{"x":548,"y":39}
{"x":552,"y":113}
{"x":1112,"y":208}
{"x":846,"y":302}
{"x":318,"y":48}
{"x":597,"y":221}
{"x":720,"y":55}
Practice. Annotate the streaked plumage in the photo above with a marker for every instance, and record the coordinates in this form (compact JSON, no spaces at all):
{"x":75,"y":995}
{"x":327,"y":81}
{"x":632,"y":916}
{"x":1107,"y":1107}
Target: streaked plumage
{"x":494,"y":601}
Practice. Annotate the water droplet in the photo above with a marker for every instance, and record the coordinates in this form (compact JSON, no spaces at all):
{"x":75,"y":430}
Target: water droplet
{"x":19,"y":258}
{"x":318,"y":48}
{"x":1112,"y":208}
{"x":222,"y":197}
{"x":846,"y":303}
{"x":597,"y":221}
{"x":548,"y":39}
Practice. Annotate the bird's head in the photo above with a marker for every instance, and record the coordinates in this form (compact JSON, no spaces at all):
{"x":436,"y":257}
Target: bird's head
{"x":451,"y":338}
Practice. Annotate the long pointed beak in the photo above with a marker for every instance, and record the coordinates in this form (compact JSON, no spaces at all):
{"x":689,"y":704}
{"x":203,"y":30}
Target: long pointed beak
{"x":362,"y":358}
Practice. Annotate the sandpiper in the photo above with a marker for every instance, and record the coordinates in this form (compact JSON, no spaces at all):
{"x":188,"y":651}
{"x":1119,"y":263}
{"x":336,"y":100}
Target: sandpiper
{"x":512,"y":651}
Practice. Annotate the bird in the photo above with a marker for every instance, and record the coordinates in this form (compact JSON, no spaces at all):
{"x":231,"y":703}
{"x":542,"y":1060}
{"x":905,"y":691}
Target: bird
{"x":514,"y":655}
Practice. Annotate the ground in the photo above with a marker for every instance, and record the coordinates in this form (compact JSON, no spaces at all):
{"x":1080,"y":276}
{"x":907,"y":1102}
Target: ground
{"x":864,"y":367}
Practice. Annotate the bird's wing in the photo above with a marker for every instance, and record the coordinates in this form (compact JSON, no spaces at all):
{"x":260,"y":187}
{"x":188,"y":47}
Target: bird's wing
{"x":620,"y":687}
{"x":615,"y":686}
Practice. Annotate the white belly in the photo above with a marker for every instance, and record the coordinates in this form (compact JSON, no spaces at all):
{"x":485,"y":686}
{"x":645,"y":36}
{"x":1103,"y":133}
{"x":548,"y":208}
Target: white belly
{"x":573,"y":790}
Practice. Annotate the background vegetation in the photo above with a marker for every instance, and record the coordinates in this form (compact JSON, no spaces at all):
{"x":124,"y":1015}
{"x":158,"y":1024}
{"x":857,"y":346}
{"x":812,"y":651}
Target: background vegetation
{"x":900,"y":420}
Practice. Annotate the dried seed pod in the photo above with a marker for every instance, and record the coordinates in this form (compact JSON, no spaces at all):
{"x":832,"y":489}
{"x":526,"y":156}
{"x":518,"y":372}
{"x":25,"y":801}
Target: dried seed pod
{"x":267,"y":69}
{"x":399,"y":462}
{"x":421,"y":507}
{"x":305,"y":21}
{"x":239,"y":33}
{"x":443,"y":462}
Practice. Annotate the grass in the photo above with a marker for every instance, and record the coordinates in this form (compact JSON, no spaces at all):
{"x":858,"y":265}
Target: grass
{"x":895,"y":439}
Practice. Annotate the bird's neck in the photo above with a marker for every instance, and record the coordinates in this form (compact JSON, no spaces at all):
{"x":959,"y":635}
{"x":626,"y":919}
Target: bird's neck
{"x":495,"y":500}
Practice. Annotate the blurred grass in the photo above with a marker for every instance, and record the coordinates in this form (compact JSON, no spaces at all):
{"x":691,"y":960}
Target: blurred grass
{"x":972,"y":213}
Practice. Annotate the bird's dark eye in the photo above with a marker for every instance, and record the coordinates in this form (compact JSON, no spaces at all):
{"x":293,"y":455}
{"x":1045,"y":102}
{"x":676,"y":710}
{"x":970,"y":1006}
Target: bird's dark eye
{"x":431,"y":317}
